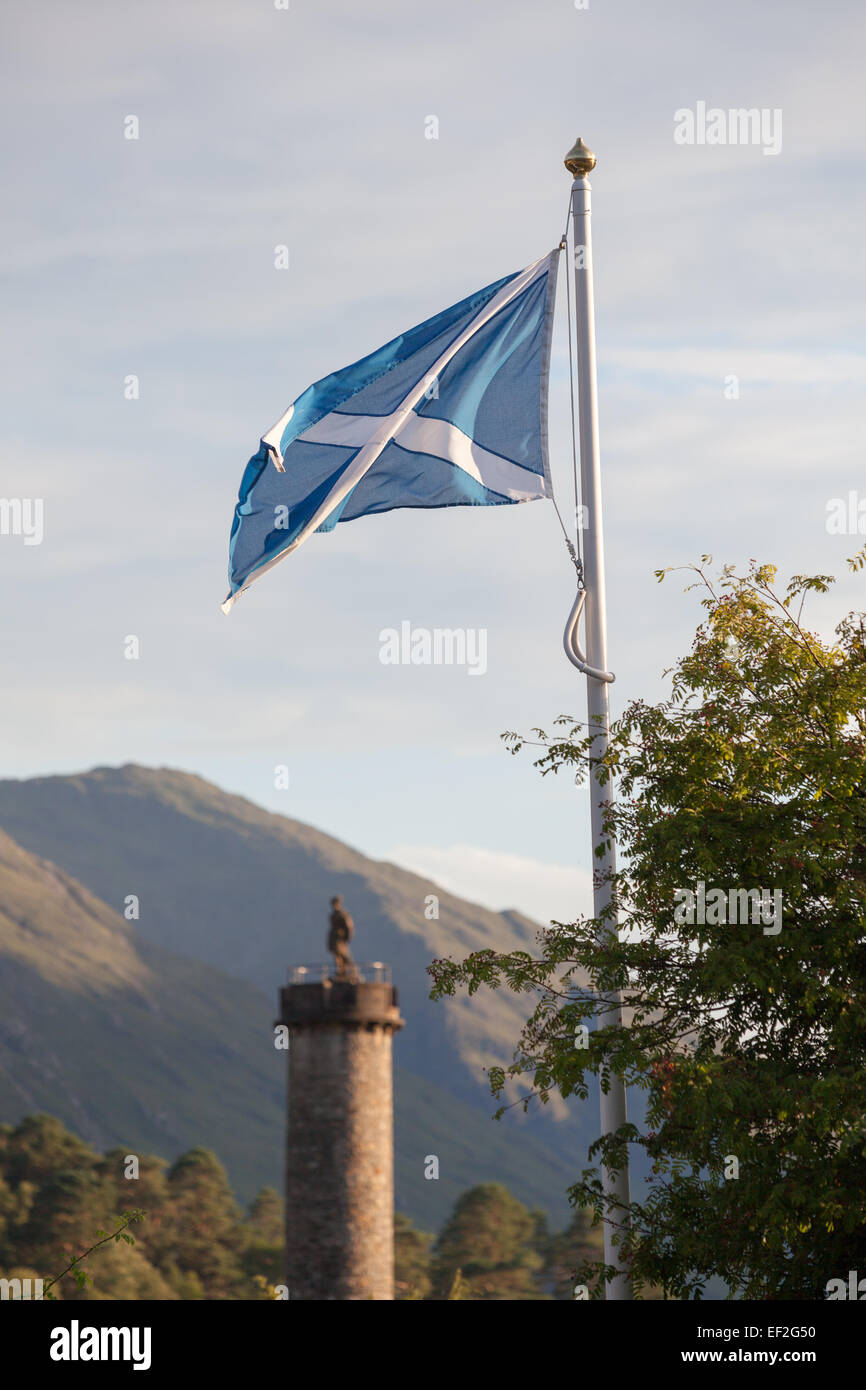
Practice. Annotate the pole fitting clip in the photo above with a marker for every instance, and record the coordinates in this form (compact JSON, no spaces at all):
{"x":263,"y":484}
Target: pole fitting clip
{"x":571,"y":642}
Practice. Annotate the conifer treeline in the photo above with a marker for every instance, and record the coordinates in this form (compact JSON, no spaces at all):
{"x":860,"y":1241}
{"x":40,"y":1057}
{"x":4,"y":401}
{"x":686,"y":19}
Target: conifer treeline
{"x":56,"y":1193}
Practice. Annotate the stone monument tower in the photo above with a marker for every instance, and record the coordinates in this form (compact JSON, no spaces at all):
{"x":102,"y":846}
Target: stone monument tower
{"x":340,"y":1147}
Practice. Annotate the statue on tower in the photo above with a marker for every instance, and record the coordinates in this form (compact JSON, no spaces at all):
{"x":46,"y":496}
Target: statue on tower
{"x":340,"y":933}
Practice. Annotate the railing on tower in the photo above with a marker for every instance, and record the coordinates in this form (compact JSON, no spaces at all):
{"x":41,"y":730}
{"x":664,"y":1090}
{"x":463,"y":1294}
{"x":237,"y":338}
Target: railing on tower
{"x":359,"y":972}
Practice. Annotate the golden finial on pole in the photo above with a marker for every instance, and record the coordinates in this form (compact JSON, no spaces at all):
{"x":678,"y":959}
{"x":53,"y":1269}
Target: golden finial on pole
{"x":580,"y":159}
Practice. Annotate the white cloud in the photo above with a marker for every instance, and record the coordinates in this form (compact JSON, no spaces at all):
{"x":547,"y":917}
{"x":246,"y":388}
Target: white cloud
{"x":498,"y":880}
{"x":714,"y":364}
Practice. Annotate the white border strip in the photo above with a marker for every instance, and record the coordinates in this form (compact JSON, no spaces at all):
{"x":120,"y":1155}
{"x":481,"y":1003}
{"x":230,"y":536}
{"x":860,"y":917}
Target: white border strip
{"x":423,"y":434}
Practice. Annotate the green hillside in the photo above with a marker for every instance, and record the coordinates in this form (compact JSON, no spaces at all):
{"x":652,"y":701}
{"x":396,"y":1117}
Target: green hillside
{"x":124,"y":1041}
{"x":129,"y":1043}
{"x":222,"y":881}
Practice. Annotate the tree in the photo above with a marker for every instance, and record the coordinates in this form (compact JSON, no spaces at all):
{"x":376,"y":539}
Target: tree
{"x":205,"y":1224}
{"x":490,"y":1239}
{"x":120,"y":1273}
{"x":8,"y":1205}
{"x":263,"y":1237}
{"x":745,"y":1021}
{"x":39,"y":1148}
{"x":147,"y":1191}
{"x":569,"y":1251}
{"x":62,"y":1217}
{"x":411,"y":1259}
{"x":63,"y":1211}
{"x":125,"y":1271}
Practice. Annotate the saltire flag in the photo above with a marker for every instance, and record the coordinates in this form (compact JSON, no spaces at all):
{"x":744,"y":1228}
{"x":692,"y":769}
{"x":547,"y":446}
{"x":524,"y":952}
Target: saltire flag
{"x":451,"y":413}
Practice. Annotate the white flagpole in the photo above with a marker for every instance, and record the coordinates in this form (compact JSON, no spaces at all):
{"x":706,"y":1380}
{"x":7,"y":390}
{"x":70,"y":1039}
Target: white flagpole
{"x":580,"y":161}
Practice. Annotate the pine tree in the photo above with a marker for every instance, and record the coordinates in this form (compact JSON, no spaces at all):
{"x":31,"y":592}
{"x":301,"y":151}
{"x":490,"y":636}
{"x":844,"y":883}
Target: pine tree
{"x":411,"y":1259}
{"x":149,"y":1192}
{"x":490,"y":1237}
{"x":263,"y":1235}
{"x":567,"y":1252}
{"x":205,"y":1227}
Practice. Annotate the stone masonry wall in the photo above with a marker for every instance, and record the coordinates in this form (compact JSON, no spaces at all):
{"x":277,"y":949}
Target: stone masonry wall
{"x":339,"y":1168}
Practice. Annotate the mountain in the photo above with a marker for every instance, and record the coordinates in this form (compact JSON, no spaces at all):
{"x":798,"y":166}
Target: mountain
{"x":160,"y":1029}
{"x":123,"y":1041}
{"x":225,"y":882}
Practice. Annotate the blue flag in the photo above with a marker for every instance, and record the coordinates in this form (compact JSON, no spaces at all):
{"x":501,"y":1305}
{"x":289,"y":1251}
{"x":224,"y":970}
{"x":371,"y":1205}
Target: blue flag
{"x":452,"y":413}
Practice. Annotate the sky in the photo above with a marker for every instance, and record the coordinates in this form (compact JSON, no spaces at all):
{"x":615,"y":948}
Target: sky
{"x":729,"y":282}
